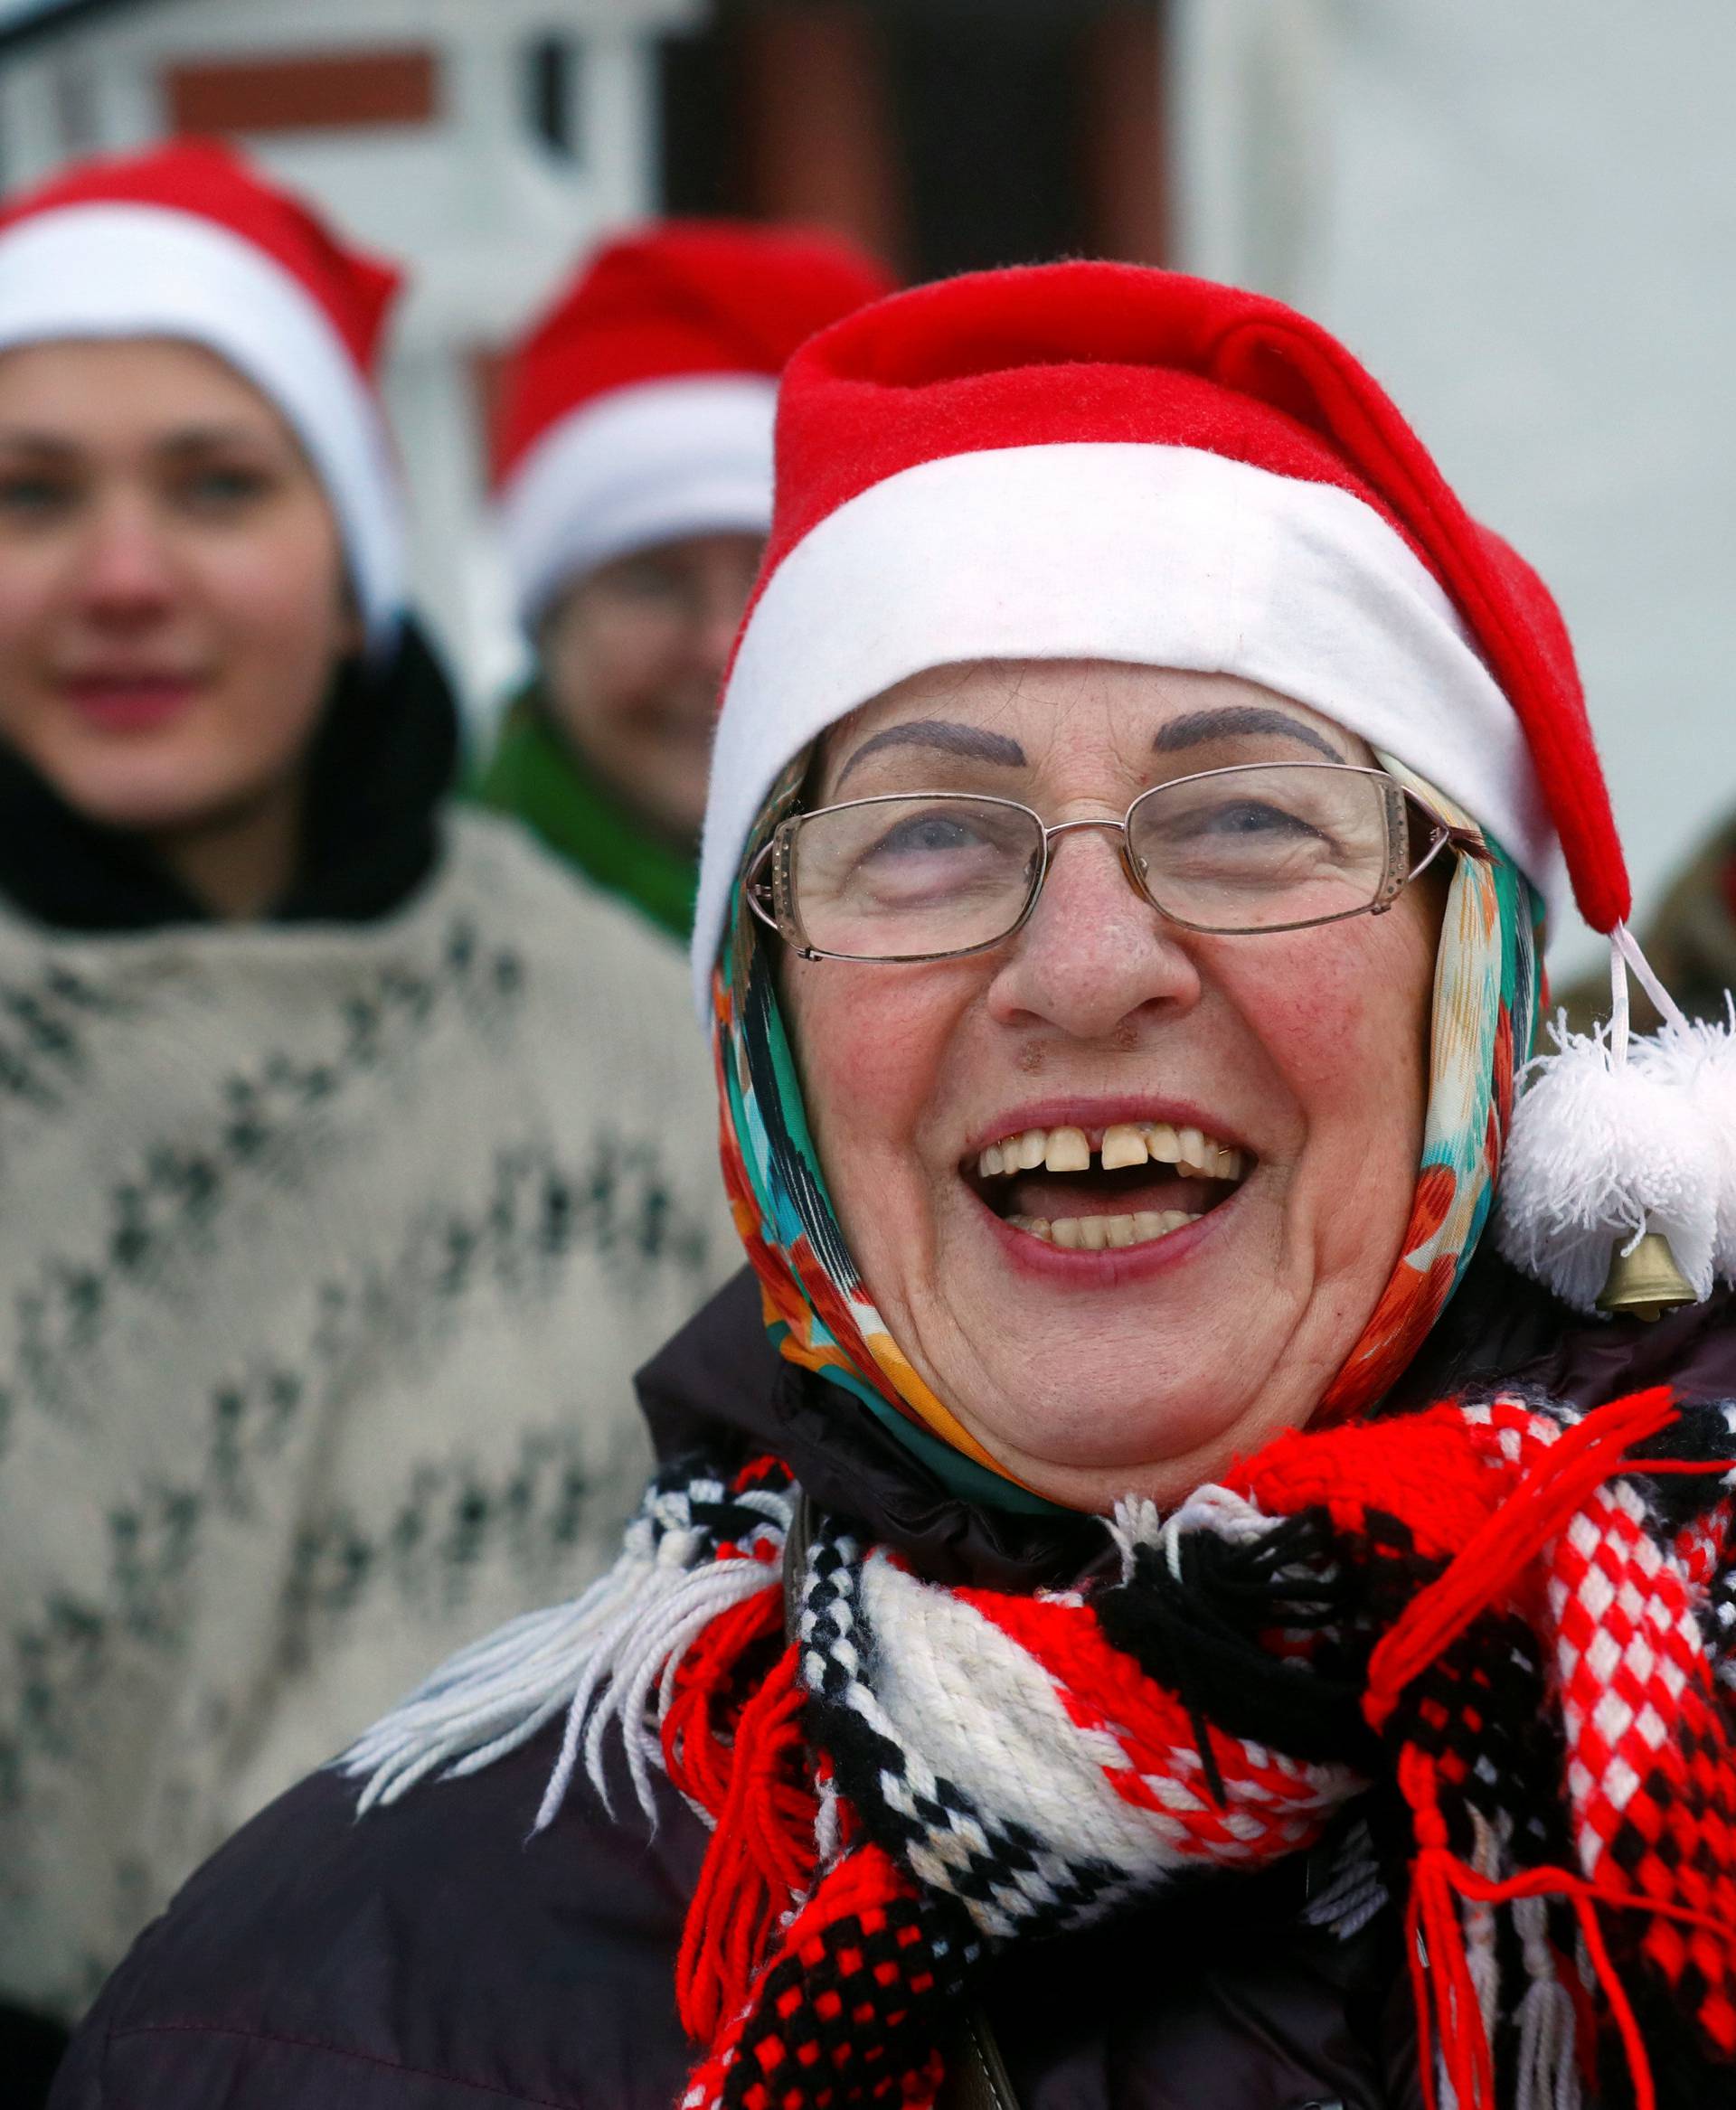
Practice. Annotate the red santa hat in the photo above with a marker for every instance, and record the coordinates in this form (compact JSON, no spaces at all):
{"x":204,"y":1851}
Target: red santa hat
{"x":189,"y":241}
{"x":639,"y":408}
{"x":1094,"y":460}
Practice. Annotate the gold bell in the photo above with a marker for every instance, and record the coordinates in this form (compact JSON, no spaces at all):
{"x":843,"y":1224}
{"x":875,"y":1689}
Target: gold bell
{"x":1646,"y":1283}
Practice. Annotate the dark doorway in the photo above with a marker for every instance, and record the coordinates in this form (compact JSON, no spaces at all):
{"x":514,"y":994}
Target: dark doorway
{"x":947,"y":135}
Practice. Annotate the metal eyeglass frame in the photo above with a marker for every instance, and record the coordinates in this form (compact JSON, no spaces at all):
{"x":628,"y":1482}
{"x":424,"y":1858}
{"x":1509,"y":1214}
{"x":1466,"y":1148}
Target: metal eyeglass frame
{"x":769,"y":870}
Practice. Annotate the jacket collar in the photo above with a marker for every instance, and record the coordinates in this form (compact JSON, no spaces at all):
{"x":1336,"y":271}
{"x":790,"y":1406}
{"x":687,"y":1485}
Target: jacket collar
{"x":720,"y":1377}
{"x":536,"y":775}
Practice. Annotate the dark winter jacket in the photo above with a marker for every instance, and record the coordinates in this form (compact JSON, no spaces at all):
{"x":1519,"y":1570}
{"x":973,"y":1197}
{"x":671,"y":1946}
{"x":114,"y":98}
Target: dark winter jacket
{"x":433,"y":1956}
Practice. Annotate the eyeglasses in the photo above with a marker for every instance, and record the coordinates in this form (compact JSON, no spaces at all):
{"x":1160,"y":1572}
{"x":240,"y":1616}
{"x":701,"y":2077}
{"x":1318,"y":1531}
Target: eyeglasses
{"x":1267,"y":847}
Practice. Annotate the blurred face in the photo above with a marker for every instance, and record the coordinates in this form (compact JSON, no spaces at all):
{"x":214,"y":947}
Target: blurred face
{"x":633,"y":657}
{"x":1245,"y":1111}
{"x":172,"y":599}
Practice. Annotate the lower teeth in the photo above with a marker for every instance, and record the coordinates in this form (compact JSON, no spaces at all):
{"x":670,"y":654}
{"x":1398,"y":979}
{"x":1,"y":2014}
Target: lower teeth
{"x":1091,"y":1234}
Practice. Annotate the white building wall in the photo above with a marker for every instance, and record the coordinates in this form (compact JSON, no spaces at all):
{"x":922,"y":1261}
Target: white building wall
{"x":1524,"y":217}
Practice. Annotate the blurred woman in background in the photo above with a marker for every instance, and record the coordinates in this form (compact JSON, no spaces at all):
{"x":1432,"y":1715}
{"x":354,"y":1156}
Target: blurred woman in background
{"x":635,"y":474}
{"x":347,"y":1164}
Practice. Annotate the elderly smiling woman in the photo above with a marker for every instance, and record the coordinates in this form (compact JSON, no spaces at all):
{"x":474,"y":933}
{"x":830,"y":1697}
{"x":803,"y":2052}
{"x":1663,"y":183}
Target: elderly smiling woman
{"x":1181,"y":1621}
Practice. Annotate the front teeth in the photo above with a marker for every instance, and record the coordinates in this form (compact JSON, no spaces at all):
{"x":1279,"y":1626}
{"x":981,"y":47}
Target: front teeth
{"x":1123,"y":1145}
{"x":1068,"y":1150}
{"x":1031,"y":1149}
{"x":1091,"y":1234}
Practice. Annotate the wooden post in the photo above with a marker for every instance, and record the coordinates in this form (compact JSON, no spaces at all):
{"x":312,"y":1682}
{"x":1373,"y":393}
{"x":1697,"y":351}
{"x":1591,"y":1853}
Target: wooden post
{"x":1123,"y":149}
{"x":818,"y":136}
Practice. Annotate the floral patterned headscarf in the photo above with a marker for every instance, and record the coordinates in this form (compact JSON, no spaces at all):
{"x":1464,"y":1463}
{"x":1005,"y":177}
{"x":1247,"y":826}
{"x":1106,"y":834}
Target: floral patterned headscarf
{"x":819,"y":1310}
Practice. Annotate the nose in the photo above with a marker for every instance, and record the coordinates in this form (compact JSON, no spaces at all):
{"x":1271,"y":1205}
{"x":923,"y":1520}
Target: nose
{"x":1095,"y":952}
{"x":714,"y":650}
{"x":126,"y":573}
{"x":711,"y":635}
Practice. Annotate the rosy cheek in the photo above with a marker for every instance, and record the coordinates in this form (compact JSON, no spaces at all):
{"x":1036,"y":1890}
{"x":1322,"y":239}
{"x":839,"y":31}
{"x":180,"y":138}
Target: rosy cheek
{"x":1326,"y":1048}
{"x":26,"y":604}
{"x":1322,"y":1025}
{"x":259,"y":600}
{"x":871,"y":1056}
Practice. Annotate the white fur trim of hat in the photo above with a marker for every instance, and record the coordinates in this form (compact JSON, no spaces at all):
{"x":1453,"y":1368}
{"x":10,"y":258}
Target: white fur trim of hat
{"x":651,"y":463}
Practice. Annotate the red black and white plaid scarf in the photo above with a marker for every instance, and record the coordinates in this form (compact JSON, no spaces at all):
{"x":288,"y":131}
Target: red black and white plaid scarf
{"x":1516,"y":1623}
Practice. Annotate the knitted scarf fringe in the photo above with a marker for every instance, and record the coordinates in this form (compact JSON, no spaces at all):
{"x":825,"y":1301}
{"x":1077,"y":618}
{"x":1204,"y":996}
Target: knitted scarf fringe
{"x":928,"y":1775}
{"x":598,"y":1659}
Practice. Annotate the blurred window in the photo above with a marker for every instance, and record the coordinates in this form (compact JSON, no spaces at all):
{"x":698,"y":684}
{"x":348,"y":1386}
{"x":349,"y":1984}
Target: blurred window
{"x":552,"y":82}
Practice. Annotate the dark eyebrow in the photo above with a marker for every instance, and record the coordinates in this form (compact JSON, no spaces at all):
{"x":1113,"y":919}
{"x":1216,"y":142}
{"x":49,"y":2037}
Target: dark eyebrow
{"x":185,"y":440}
{"x":1230,"y":718}
{"x":26,"y":441}
{"x":968,"y":740}
{"x":196,"y":438}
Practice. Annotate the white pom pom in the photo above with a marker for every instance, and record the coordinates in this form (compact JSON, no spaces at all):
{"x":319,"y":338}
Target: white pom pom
{"x":1602,"y":1150}
{"x":1698,"y":1061}
{"x":1612,"y":1140}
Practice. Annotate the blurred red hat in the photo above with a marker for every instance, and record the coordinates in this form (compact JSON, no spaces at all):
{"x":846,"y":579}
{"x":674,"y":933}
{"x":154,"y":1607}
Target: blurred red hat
{"x":638,"y":408}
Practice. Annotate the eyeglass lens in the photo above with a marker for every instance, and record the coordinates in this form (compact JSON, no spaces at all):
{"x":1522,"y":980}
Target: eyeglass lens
{"x":1239,"y":849}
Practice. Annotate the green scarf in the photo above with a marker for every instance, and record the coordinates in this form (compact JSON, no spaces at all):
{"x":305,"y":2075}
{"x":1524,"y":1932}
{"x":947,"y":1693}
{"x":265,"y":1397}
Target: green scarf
{"x":534,"y":775}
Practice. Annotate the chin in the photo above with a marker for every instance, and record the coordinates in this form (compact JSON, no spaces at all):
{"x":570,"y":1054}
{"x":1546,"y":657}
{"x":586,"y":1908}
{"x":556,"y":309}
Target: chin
{"x":1087,"y":1398}
{"x":155,"y":795}
{"x":1092,"y":1424}
{"x":1145,"y":1454}
{"x":682,"y":823}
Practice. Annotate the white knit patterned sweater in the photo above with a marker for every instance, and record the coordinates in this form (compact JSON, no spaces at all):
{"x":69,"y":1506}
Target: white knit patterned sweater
{"x":326,"y":1255}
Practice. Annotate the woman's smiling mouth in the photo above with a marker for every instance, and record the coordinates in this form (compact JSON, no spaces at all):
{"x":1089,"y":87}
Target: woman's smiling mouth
{"x":129,"y":700}
{"x":1096,"y":1188}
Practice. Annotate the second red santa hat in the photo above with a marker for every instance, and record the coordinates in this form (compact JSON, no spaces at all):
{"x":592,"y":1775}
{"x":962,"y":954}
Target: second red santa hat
{"x":190,"y":241}
{"x":639,"y":408}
